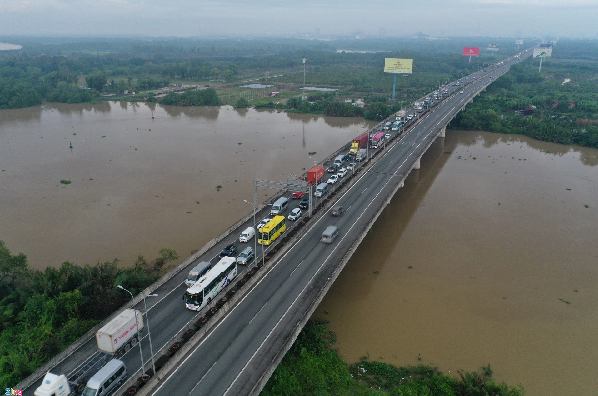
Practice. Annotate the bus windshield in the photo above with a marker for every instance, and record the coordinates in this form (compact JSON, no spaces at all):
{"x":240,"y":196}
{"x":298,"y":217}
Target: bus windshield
{"x":194,"y":299}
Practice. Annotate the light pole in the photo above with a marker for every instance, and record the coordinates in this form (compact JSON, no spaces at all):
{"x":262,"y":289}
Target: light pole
{"x":136,"y":320}
{"x":254,"y":227}
{"x":311,"y":199}
{"x":149,"y":334}
{"x":304,"y":78}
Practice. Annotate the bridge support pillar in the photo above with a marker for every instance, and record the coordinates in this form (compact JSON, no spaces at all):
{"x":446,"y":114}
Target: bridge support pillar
{"x":442,"y":132}
{"x":417,"y":164}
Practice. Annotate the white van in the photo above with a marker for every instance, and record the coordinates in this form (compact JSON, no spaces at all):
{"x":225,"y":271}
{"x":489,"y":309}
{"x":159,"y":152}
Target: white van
{"x":338,"y":161}
{"x":279,"y":206}
{"x":197,"y":272}
{"x":321,"y":189}
{"x":329,"y":234}
{"x":247,"y":234}
{"x":105,"y":381}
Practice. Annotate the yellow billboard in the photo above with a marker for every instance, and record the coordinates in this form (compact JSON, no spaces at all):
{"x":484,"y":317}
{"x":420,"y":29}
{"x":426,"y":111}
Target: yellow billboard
{"x":396,"y":65}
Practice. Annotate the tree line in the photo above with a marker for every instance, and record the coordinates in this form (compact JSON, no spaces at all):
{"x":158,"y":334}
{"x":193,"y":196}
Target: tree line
{"x":44,"y":311}
{"x":62,"y":72}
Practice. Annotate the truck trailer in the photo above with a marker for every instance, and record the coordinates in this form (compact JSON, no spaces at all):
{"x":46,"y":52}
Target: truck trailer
{"x":315,"y":174}
{"x":120,"y":334}
{"x":361,"y":154}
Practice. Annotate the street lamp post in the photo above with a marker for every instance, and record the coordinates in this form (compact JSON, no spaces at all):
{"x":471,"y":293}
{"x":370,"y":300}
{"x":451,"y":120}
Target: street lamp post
{"x":149,"y":334}
{"x":138,"y":335}
{"x":254,"y":227}
{"x":304,"y":78}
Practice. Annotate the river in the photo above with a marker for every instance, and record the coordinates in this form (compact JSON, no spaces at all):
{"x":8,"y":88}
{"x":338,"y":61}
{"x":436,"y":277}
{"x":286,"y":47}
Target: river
{"x":487,"y":255}
{"x":140,"y":184}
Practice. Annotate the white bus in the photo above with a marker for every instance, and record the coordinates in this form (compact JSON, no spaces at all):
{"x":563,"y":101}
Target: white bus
{"x":204,"y":290}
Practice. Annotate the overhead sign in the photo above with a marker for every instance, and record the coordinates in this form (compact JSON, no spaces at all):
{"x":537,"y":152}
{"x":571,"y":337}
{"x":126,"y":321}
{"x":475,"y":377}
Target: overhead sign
{"x":518,"y":42}
{"x":398,"y":66}
{"x":471,"y":51}
{"x":493,"y":45}
{"x":543,"y":52}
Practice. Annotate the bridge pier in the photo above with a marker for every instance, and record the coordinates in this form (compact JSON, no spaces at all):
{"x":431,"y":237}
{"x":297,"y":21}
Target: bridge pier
{"x":442,"y":132}
{"x":417,"y":164}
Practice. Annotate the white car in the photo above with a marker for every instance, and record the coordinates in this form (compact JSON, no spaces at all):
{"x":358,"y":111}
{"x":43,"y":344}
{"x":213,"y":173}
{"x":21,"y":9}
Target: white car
{"x":295,"y":214}
{"x":409,"y":117}
{"x":387,"y":136}
{"x":332,"y":179}
{"x":263,"y":223}
{"x":461,"y":92}
{"x":351,"y":166}
{"x":341,"y":172}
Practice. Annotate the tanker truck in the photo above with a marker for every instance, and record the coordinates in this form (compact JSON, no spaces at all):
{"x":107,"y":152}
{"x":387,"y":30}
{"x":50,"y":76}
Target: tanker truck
{"x":113,"y":339}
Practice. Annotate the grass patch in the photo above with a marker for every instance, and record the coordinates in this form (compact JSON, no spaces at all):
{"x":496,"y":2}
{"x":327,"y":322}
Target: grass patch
{"x":65,"y":182}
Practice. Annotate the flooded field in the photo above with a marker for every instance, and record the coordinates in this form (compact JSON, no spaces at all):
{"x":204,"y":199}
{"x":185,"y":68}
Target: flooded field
{"x":140,"y":184}
{"x":489,"y":255}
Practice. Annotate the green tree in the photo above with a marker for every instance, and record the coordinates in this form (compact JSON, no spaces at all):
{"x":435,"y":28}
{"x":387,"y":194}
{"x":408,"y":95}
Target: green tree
{"x":377,"y":112}
{"x":242,"y":103}
{"x":96,"y":80}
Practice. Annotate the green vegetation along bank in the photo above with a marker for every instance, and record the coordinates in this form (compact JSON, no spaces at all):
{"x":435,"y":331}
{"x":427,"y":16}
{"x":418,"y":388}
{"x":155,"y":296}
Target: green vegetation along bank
{"x":43,"y":312}
{"x":558,"y":105}
{"x":313,"y":368}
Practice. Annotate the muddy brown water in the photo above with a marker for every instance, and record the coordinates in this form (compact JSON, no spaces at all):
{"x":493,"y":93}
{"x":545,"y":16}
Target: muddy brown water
{"x":475,"y":261}
{"x":488,"y":255}
{"x":140,"y":184}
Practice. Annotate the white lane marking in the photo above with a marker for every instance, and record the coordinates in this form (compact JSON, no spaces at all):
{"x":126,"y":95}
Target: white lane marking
{"x":196,"y":385}
{"x":258,"y":312}
{"x":294,"y":269}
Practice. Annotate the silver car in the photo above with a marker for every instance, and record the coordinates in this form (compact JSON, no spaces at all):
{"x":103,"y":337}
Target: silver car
{"x":245,"y":256}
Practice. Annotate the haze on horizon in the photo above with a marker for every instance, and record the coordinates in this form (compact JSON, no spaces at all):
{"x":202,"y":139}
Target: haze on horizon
{"x":506,"y":18}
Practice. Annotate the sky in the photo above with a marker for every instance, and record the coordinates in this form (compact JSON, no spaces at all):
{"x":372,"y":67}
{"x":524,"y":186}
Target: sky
{"x":188,"y":18}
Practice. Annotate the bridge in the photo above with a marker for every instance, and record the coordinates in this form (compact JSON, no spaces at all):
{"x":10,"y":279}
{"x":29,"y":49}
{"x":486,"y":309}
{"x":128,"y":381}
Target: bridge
{"x":233,"y":345}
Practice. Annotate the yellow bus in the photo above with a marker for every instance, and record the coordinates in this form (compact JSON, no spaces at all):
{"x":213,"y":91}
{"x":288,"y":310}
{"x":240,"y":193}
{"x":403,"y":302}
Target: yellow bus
{"x":272,"y":230}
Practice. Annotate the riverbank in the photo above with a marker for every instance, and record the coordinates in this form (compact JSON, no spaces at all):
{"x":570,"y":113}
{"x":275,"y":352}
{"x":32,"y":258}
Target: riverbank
{"x":313,"y":367}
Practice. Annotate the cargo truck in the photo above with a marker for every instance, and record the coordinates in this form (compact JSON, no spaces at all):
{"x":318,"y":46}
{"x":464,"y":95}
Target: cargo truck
{"x":117,"y":336}
{"x":360,"y":156}
{"x":120,"y":334}
{"x":315,"y":174}
{"x":359,"y":142}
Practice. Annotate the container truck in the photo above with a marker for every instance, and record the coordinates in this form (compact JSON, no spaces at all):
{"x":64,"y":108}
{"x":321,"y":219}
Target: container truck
{"x":315,"y":174}
{"x":359,"y":142}
{"x":114,"y":338}
{"x":360,"y":156}
{"x":120,"y":334}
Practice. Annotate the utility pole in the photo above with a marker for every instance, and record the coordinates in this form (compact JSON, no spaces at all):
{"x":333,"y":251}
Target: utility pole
{"x":304,"y":79}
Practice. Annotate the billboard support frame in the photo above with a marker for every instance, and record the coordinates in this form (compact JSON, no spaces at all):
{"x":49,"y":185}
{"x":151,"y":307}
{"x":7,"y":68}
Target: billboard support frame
{"x":540,"y":69}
